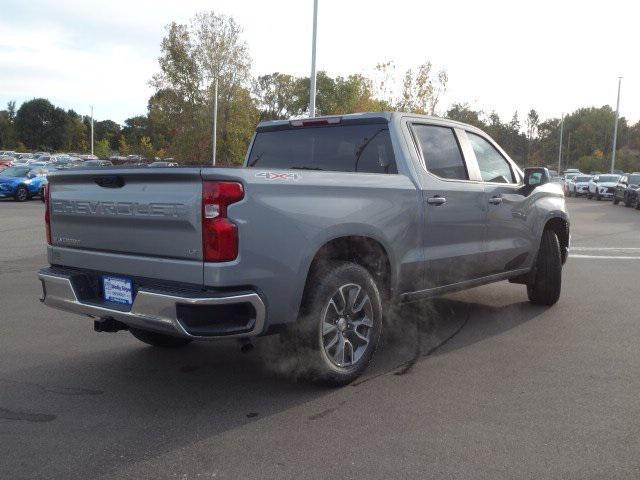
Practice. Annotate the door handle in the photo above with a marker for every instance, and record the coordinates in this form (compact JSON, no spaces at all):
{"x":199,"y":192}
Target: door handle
{"x":436,"y":200}
{"x":495,"y":200}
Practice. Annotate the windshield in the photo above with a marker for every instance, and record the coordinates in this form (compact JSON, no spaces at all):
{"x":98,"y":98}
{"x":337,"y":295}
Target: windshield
{"x":608,"y":178}
{"x":570,"y":176}
{"x":15,"y":172}
{"x":582,"y":179}
{"x":634,"y":179}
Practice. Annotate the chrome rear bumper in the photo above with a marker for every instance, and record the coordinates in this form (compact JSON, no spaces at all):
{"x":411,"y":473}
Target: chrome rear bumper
{"x":150,"y":310}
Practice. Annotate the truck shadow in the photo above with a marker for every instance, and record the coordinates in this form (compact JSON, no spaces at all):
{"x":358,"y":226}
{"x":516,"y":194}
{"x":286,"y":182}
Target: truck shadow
{"x":132,"y":403}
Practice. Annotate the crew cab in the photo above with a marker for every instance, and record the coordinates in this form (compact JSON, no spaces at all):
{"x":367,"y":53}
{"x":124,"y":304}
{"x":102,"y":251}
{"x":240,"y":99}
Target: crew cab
{"x":329,"y":223}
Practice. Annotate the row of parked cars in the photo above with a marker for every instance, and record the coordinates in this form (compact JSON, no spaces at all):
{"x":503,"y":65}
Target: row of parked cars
{"x":623,"y":187}
{"x":23,"y":176}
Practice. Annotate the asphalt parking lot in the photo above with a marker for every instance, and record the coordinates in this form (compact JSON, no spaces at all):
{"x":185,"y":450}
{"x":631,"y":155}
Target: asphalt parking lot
{"x":515,"y":391}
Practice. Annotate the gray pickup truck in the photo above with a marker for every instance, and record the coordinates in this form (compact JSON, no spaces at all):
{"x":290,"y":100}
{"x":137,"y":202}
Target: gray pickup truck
{"x":330,"y":222}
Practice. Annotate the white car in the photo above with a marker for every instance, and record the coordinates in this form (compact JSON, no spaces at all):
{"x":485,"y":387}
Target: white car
{"x":602,"y":186}
{"x":578,"y":185}
{"x":568,"y":177}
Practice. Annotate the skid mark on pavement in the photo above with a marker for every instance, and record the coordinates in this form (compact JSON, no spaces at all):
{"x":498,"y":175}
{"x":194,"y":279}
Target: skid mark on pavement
{"x":71,"y":391}
{"x":6,"y":414}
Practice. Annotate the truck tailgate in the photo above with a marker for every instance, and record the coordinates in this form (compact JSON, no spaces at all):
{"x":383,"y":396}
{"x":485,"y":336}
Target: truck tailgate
{"x":137,"y":211}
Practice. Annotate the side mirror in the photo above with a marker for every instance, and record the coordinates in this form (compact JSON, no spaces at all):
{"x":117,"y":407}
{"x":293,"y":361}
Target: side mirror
{"x":536,"y":176}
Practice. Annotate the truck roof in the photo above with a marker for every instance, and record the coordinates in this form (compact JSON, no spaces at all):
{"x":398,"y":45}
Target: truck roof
{"x":360,"y":117}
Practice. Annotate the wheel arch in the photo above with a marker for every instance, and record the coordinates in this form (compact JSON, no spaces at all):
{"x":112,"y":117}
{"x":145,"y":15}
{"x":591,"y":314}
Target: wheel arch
{"x":363,"y":250}
{"x":560,"y":226}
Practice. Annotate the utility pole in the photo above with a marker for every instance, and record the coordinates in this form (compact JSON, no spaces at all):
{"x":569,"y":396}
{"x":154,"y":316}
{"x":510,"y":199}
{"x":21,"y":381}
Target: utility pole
{"x":215,"y":122}
{"x":615,"y":129}
{"x":91,"y":129}
{"x":312,"y":90}
{"x":560,"y":149}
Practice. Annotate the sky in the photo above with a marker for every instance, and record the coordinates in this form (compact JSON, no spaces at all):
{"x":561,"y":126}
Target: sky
{"x":553,"y":56}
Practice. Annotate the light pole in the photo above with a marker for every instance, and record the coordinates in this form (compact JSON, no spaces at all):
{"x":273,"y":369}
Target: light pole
{"x":92,"y":130}
{"x":615,"y":129}
{"x":560,"y":149}
{"x":215,"y":122}
{"x":312,"y":90}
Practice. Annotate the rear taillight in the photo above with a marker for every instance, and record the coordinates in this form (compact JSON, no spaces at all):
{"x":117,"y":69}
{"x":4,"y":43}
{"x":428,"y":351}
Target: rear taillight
{"x":47,"y":214}
{"x":219,"y":234}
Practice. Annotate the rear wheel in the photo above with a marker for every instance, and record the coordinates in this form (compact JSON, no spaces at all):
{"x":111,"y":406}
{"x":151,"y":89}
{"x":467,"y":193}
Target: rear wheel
{"x":341,"y":323}
{"x":545,"y":286}
{"x":159,"y":339}
{"x":627,"y":201}
{"x":22,"y":194}
{"x":615,"y":200}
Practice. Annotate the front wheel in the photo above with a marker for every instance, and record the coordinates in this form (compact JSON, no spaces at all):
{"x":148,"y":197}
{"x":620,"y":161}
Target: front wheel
{"x":22,"y":194}
{"x":545,"y":286}
{"x":340,"y":324}
{"x":615,"y":201}
{"x":159,"y":339}
{"x":627,"y":201}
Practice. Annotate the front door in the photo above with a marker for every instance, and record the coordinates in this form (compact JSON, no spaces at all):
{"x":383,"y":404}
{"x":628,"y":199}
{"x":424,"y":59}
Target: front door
{"x":508,"y":239}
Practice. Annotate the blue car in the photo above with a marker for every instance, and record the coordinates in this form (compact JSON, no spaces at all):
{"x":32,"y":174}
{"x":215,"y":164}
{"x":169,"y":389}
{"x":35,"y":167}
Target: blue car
{"x":22,"y":183}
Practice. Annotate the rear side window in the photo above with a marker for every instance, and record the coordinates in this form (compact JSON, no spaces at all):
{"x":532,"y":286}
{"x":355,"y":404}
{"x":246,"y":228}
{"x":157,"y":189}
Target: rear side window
{"x":493,"y":166}
{"x":441,"y":151}
{"x":344,"y":148}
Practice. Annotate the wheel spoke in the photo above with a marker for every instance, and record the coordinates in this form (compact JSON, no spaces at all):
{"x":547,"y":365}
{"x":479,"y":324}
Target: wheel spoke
{"x":339,"y":353}
{"x":332,"y":304}
{"x":353,"y":296}
{"x":363,"y":338}
{"x":348,"y":347}
{"x":327,"y":328}
{"x":366,"y":321}
{"x":332,"y":342}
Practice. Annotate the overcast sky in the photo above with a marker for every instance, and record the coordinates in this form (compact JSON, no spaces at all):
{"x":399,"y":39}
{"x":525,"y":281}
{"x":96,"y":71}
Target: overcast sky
{"x":550,"y":55}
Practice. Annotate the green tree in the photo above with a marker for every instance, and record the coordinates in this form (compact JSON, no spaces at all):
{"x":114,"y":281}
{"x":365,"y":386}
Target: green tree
{"x":101,"y":148}
{"x":41,"y":125}
{"x":193,"y":57}
{"x":146,"y":149}
{"x":123,"y":146}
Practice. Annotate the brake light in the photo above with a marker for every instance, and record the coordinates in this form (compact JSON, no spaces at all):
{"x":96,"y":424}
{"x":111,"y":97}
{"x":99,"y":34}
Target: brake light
{"x":47,"y":214}
{"x":219,"y":234}
{"x":314,"y":122}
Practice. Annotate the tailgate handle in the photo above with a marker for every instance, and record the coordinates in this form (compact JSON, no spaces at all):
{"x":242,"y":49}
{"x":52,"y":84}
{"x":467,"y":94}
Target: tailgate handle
{"x":110,"y":181}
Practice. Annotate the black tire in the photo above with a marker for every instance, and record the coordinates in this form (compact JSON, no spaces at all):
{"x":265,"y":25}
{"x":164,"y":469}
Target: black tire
{"x":615,"y":201}
{"x":597,"y":196}
{"x":637,"y":202}
{"x":544,"y":289}
{"x":313,"y":333}
{"x":627,"y":202}
{"x":159,"y":339}
{"x":22,"y":194}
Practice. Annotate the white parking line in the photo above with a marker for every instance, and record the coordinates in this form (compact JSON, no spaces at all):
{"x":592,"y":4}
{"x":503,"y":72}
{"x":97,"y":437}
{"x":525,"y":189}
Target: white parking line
{"x":602,"y":257}
{"x":622,"y":249}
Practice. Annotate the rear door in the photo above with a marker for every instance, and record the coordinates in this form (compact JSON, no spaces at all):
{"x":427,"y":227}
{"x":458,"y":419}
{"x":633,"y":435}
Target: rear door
{"x":453,"y":204}
{"x":508,"y":239}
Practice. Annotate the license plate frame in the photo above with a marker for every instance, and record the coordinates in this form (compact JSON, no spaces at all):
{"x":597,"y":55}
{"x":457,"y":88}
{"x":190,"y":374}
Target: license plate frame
{"x":118,"y":290}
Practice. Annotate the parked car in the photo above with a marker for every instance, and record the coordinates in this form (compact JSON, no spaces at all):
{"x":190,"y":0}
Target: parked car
{"x":626,"y":190}
{"x":579,"y":185}
{"x":6,"y":161}
{"x":163,"y":164}
{"x":567,"y":178}
{"x":330,"y":222}
{"x":602,"y":186}
{"x":96,"y":163}
{"x":22,"y":183}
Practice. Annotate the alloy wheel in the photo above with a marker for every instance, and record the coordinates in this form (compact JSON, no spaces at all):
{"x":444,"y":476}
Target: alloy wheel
{"x":347,"y":325}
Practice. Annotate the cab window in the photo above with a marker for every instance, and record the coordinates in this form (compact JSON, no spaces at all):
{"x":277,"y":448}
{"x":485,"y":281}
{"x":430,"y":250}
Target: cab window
{"x":493,"y":166}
